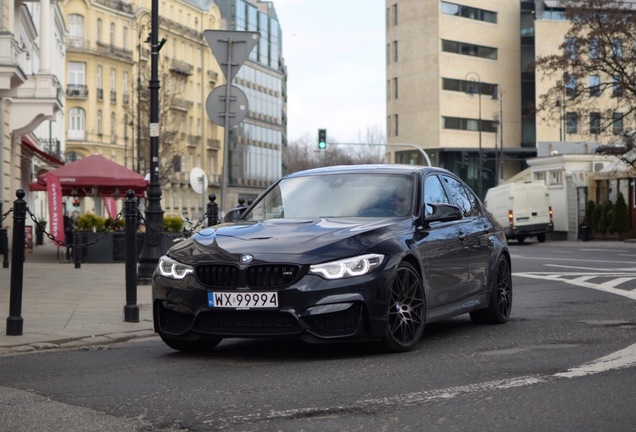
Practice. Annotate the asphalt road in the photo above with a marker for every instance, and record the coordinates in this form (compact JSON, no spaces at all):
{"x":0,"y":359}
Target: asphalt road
{"x":566,"y":361}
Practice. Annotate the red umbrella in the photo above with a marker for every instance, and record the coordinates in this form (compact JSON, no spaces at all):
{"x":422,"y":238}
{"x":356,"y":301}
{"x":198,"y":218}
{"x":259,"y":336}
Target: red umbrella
{"x":94,"y":176}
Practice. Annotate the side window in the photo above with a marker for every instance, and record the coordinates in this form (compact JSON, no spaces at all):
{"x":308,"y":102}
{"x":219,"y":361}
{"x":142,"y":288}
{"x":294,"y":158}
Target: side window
{"x":459,"y":196}
{"x":433,"y":193}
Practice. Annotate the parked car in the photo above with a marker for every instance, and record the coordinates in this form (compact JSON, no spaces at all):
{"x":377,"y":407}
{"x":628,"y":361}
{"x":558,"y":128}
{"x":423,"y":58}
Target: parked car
{"x":523,"y":209}
{"x":347,"y":253}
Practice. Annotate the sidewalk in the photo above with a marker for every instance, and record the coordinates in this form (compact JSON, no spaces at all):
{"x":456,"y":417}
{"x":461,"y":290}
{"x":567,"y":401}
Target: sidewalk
{"x":64,"y":306}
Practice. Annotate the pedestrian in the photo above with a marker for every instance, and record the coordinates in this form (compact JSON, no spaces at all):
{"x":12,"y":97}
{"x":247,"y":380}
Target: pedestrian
{"x":70,"y":223}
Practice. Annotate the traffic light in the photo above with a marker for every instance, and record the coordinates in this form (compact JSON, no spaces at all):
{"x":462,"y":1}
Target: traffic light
{"x":322,"y":139}
{"x":464,"y":160}
{"x":76,"y":202}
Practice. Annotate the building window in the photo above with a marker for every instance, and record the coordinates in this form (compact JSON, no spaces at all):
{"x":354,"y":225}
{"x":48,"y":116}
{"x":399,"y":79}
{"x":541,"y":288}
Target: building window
{"x":617,"y":123}
{"x":395,"y":51}
{"x":595,"y":85}
{"x":112,"y":34}
{"x":113,"y":129}
{"x":570,"y":85}
{"x":394,"y":8}
{"x":125,"y":40}
{"x":469,"y":49}
{"x":468,"y":12}
{"x":100,"y":129}
{"x":469,"y":86}
{"x":555,"y":177}
{"x":76,"y":73}
{"x":76,"y":31}
{"x":593,"y":49}
{"x":459,"y":123}
{"x":571,"y":122}
{"x":570,"y":48}
{"x":595,"y":123}
{"x":395,"y":88}
{"x":99,"y":30}
{"x":617,"y":87}
{"x":76,"y":123}
{"x":617,"y":48}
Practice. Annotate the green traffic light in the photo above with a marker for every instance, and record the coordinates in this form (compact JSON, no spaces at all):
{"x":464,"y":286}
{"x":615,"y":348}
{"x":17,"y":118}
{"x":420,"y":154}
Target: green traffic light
{"x":322,"y":145}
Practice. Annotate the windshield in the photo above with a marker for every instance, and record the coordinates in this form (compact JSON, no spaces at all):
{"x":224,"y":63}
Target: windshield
{"x":336,"y":195}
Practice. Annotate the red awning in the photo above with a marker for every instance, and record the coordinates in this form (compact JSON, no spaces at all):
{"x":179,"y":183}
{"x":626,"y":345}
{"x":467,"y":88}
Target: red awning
{"x":94,"y":175}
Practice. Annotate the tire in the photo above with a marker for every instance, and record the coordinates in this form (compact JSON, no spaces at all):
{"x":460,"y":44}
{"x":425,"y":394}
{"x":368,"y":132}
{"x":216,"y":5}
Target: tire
{"x":521,"y":239}
{"x":406,"y":312}
{"x":198,"y":345}
{"x":500,"y":304}
{"x":541,"y":238}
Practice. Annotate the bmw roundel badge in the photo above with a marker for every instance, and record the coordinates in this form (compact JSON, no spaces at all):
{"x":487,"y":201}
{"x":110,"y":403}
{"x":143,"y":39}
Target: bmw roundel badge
{"x":246,"y":259}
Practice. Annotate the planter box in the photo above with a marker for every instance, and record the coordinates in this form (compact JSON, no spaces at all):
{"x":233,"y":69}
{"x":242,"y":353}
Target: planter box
{"x":106,"y":247}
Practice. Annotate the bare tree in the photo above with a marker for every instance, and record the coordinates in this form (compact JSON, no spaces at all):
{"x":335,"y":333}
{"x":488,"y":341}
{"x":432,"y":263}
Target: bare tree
{"x":172,"y":118}
{"x":596,"y":58}
{"x":304,"y":153}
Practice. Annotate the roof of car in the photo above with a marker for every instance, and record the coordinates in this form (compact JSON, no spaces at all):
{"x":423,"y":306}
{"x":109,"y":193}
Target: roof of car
{"x":371,"y":168}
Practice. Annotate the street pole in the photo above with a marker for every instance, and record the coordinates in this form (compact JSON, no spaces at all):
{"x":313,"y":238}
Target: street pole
{"x":480,"y":175}
{"x":151,"y":250}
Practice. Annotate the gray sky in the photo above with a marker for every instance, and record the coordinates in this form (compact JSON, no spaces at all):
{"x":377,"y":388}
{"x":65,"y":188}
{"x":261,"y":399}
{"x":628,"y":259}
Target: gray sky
{"x":335,"y":55}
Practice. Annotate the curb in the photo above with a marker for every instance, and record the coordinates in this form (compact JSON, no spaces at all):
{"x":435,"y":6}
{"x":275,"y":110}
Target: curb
{"x":92,"y":342}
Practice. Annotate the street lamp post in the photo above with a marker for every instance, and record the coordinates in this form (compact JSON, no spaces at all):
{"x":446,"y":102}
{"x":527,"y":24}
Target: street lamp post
{"x":137,"y":141}
{"x":474,"y":77}
{"x":151,"y":250}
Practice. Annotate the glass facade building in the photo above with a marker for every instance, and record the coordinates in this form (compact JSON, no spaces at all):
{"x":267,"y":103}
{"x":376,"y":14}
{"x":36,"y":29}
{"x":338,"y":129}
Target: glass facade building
{"x":257,"y":143}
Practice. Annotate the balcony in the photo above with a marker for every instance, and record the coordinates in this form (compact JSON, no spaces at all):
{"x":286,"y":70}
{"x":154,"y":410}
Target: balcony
{"x":77,"y":91}
{"x":213,"y":144}
{"x":180,"y":67}
{"x":126,"y":98}
{"x":181,"y":104}
{"x":38,"y":99}
{"x":100,"y":94}
{"x":213,"y":76}
{"x":113,"y":96}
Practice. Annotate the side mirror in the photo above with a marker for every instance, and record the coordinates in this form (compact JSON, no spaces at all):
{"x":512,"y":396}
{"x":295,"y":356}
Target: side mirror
{"x":444,"y":213}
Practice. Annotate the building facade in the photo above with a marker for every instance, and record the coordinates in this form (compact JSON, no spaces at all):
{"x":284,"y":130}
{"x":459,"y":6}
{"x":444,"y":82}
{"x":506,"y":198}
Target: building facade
{"x":461,"y":84}
{"x":256,"y":145}
{"x":32,"y":79}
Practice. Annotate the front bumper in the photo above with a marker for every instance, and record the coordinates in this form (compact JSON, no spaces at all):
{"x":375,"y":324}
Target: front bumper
{"x":312,"y":309}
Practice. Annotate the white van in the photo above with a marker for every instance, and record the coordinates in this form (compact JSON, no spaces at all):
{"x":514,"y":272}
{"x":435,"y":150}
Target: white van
{"x":522,"y":209}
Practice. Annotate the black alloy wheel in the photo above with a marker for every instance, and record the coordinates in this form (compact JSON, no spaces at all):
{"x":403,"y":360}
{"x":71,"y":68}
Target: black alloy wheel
{"x":498,"y":311}
{"x":407,"y":310}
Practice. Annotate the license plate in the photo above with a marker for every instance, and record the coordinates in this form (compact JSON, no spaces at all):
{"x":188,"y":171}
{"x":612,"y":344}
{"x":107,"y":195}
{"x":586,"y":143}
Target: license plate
{"x":243,"y":300}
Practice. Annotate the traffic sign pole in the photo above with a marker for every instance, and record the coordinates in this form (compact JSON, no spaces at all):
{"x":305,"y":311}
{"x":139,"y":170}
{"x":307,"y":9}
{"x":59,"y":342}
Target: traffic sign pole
{"x":230,"y":48}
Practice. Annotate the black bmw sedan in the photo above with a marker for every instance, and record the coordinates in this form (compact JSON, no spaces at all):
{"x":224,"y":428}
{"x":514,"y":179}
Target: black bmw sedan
{"x":346,"y":253}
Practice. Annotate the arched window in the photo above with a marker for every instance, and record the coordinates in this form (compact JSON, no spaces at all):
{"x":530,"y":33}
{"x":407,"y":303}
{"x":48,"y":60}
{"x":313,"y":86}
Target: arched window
{"x":76,"y":123}
{"x":99,"y":29}
{"x":76,"y":30}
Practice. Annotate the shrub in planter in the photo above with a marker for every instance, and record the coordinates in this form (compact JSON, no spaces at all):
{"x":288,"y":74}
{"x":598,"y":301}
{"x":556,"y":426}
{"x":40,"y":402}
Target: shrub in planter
{"x":603,"y":223}
{"x":589,"y":212}
{"x":173,"y":224}
{"x":90,"y":222}
{"x":619,"y":222}
{"x":114,"y":224}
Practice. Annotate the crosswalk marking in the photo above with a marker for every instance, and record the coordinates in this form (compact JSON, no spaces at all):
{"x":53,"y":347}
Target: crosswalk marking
{"x":608,"y":281}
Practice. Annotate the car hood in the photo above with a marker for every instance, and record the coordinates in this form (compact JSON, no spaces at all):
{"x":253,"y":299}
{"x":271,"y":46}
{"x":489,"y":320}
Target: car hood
{"x":288,"y":239}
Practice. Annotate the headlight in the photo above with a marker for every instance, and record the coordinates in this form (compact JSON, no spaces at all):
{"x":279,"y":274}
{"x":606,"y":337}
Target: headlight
{"x":173,"y":269}
{"x":349,"y":267}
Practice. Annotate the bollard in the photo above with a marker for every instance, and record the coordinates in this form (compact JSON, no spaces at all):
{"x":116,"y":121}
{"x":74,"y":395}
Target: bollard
{"x":213,"y":211}
{"x":15,"y":321}
{"x":131,"y":310}
{"x":4,"y":246}
{"x":77,"y":250}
